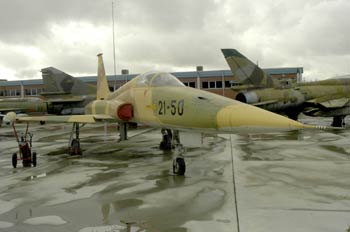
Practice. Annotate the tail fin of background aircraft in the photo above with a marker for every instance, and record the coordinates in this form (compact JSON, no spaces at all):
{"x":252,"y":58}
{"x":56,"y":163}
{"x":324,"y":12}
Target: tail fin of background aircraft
{"x":102,"y":84}
{"x":244,"y":69}
{"x":58,"y":82}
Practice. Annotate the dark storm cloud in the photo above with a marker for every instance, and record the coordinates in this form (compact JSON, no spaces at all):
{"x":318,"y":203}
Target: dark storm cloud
{"x":179,"y":33}
{"x":21,"y":21}
{"x":166,"y":16}
{"x":174,"y":35}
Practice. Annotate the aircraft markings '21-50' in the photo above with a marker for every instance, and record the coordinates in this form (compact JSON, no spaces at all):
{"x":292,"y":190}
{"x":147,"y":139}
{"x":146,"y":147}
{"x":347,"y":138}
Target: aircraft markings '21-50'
{"x":160,"y":100}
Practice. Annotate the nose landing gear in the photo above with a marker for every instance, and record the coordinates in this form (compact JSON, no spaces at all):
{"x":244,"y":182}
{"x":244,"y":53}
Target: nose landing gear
{"x":171,"y":140}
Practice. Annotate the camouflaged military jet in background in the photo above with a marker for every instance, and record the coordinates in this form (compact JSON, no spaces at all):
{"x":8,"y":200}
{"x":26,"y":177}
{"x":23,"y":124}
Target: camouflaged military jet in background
{"x":64,"y":95}
{"x":160,"y":100}
{"x":327,"y":98}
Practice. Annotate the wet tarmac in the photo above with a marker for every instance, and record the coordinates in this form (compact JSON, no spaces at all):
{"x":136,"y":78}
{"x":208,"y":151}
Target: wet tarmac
{"x":285,"y":181}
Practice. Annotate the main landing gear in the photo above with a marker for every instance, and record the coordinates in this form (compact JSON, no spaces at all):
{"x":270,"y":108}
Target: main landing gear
{"x":123,"y":131}
{"x":74,"y":142}
{"x":171,"y":140}
{"x":25,"y":149}
{"x":338,"y":121}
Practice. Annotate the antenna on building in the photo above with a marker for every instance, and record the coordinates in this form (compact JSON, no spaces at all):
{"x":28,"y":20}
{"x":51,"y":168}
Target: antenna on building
{"x":115,"y":66}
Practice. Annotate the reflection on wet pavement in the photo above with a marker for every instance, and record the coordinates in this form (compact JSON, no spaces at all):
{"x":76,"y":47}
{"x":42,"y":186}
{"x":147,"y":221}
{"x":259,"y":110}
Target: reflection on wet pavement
{"x":289,"y":181}
{"x":113,"y":184}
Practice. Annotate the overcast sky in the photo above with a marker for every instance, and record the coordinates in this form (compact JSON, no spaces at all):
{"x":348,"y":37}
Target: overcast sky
{"x":173,"y":35}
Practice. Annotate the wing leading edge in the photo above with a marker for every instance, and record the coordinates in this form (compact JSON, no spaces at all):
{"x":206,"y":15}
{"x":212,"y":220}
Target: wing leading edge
{"x":88,"y":118}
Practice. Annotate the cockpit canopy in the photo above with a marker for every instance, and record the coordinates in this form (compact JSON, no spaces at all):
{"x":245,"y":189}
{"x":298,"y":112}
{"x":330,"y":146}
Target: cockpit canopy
{"x":157,"y":79}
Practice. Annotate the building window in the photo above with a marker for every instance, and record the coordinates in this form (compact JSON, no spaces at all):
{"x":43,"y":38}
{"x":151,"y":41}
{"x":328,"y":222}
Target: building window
{"x":2,"y":93}
{"x":227,"y":84}
{"x":18,"y":92}
{"x":212,"y":84}
{"x":27,"y":92}
{"x":218,"y":84}
{"x":204,"y":84}
{"x":33,"y":92}
{"x":192,"y":84}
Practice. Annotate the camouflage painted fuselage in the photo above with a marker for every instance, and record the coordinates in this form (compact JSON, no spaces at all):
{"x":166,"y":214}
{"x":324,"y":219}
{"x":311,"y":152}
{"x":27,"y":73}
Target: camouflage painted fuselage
{"x":63,"y":95}
{"x":25,"y":105}
{"x":328,"y":98}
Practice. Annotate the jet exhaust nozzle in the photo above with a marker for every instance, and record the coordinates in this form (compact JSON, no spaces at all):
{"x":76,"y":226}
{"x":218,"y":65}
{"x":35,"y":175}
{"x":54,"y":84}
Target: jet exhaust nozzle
{"x":247,"y":97}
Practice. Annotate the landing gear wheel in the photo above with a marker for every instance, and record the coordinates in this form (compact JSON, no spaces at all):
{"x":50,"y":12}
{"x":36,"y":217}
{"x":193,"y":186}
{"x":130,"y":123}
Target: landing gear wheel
{"x":75,"y":148}
{"x":179,"y":166}
{"x":338,"y":121}
{"x":34,"y":159}
{"x":14,"y":160}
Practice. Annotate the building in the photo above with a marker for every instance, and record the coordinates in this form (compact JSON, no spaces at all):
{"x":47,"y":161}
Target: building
{"x":217,"y":81}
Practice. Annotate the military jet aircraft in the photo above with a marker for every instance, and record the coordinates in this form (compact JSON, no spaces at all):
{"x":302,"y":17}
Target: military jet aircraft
{"x":63,"y":95}
{"x":327,"y":98}
{"x":160,"y":100}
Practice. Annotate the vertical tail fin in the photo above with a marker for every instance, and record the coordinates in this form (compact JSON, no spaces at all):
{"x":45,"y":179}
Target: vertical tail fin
{"x":102,"y":84}
{"x":248,"y":72}
{"x":56,"y":81}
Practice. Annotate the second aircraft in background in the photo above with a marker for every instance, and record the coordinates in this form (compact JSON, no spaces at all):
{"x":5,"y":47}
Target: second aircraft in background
{"x":327,"y":98}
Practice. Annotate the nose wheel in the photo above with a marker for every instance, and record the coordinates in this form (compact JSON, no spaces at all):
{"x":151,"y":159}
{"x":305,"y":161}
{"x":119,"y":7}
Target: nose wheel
{"x":179,"y":166}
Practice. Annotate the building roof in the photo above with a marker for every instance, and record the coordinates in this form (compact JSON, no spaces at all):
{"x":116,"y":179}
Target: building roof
{"x":25,"y":82}
{"x":189,"y":74}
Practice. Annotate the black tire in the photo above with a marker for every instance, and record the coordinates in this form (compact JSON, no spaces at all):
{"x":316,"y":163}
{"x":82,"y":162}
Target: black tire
{"x":14,"y":160}
{"x":179,"y":166}
{"x":75,"y":148}
{"x":34,"y":159}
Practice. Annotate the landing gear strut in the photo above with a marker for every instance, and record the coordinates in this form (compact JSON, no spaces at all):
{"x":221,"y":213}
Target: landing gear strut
{"x":338,"y":121}
{"x":171,"y":140}
{"x":74,"y":143}
{"x":166,"y":143}
{"x":123,"y":131}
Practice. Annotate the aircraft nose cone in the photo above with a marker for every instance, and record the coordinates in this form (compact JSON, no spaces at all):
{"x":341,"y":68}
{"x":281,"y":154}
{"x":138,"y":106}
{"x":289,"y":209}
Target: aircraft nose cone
{"x":245,"y":117}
